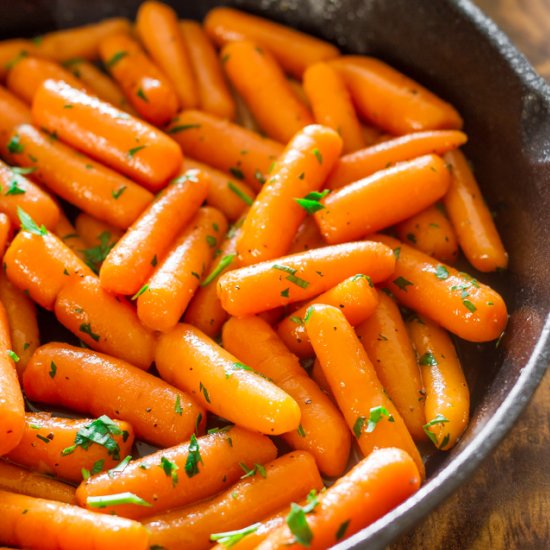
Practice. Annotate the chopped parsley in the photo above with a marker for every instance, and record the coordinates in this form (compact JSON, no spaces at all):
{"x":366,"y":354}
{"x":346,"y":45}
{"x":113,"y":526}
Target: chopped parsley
{"x":118,"y":192}
{"x":249,"y":472}
{"x":302,"y":283}
{"x":135,"y":150}
{"x":318,"y":155}
{"x":230,"y":538}
{"x":15,"y":358}
{"x":297,"y":520}
{"x":428,"y":360}
{"x":28,"y":224}
{"x":141,"y":94}
{"x":310,"y":203}
{"x":441,"y":272}
{"x":170,"y":469}
{"x":14,"y":189}
{"x":402,"y":283}
{"x":94,"y":257}
{"x":140,"y":292}
{"x":182,"y":128}
{"x":14,"y":145}
{"x":86,"y":328}
{"x":222,"y":264}
{"x":115,"y":500}
{"x":236,"y":173}
{"x":439,"y":419}
{"x":193,"y":457}
{"x":204,"y":391}
{"x":375,"y":416}
{"x":240,"y":193}
{"x":177,"y":406}
{"x":110,"y":63}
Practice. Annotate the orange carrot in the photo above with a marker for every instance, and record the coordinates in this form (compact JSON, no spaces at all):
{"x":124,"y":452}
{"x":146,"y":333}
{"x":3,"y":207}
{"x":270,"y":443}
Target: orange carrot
{"x":133,"y":259}
{"x":67,"y":232}
{"x":30,"y":522}
{"x":245,"y":155}
{"x":14,"y":112}
{"x":307,"y":237}
{"x":69,"y":448}
{"x":290,"y":192}
{"x":355,"y":296}
{"x":393,"y":101}
{"x":244,"y":116}
{"x":94,"y":232}
{"x":158,"y":29}
{"x":214,"y":94}
{"x":387,"y":197}
{"x":368,"y":411}
{"x":183,"y":474}
{"x":5,"y":232}
{"x":104,"y":322}
{"x":389,"y":348}
{"x":222,"y":384}
{"x":331,"y":104}
{"x":264,"y":286}
{"x":249,"y":500}
{"x":158,"y":412}
{"x":134,"y":147}
{"x":13,"y":51}
{"x":260,"y":81}
{"x":144,"y":85}
{"x":322,"y":429}
{"x":476,"y":231}
{"x":294,"y":50}
{"x":320,"y":379}
{"x":363,"y":163}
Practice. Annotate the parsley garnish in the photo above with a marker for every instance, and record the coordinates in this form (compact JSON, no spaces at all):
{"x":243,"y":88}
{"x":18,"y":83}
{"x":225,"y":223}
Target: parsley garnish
{"x":140,"y":292}
{"x":23,"y":171}
{"x":284,"y":293}
{"x":340,"y":533}
{"x":115,"y":59}
{"x":375,"y":415}
{"x":439,"y":419}
{"x":241,"y":194}
{"x":115,"y":500}
{"x":141,"y":94}
{"x":428,"y":360}
{"x":119,"y":468}
{"x":292,"y":275}
{"x":230,"y":538}
{"x":222,"y":264}
{"x":53,"y":370}
{"x":297,"y":521}
{"x":318,"y":155}
{"x":469,"y":305}
{"x":177,"y":407}
{"x":14,"y":189}
{"x":310,"y":203}
{"x":182,"y":128}
{"x":94,"y":257}
{"x":116,"y":193}
{"x":301,"y":431}
{"x":14,"y":146}
{"x":211,"y":241}
{"x":193,"y":458}
{"x":135,"y":150}
{"x":86,"y":328}
{"x":402,"y":283}
{"x":249,"y":472}
{"x":13,"y":356}
{"x":441,"y":272}
{"x":259,"y":177}
{"x":28,"y":224}
{"x":204,"y":391}
{"x":170,"y":469}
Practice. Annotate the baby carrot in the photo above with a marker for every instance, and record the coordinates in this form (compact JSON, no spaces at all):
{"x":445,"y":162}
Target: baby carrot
{"x":94,"y":232}
{"x":475,"y":228}
{"x":355,"y":296}
{"x":23,"y":481}
{"x":288,"y":195}
{"x":294,"y":50}
{"x":65,"y":447}
{"x":5,"y":232}
{"x":307,"y":237}
{"x":180,"y":475}
{"x":104,"y":322}
{"x":134,"y":147}
{"x":262,"y":84}
{"x":249,"y":500}
{"x":389,"y":348}
{"x":393,"y":101}
{"x":380,"y":200}
{"x":214,"y":94}
{"x":431,"y":232}
{"x":158,"y":412}
{"x":14,"y":112}
{"x":371,"y":489}
{"x":368,"y":411}
{"x":246,"y":155}
{"x":244,"y":116}
{"x":322,"y":429}
{"x":447,"y":394}
{"x":67,"y":233}
{"x":320,"y":379}
{"x":30,"y":522}
{"x":158,"y":29}
{"x":365,"y":162}
{"x":13,"y":51}
{"x":331,"y":104}
{"x":144,"y":85}
{"x":273,"y":283}
{"x":222,"y":384}
{"x":133,"y":259}
{"x":78,"y":179}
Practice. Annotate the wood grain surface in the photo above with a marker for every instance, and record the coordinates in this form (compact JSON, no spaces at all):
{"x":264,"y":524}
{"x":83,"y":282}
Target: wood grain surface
{"x":506,"y":504}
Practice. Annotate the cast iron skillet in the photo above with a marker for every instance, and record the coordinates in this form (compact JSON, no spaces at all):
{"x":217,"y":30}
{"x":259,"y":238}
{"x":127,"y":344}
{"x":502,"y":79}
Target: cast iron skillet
{"x":451,"y":47}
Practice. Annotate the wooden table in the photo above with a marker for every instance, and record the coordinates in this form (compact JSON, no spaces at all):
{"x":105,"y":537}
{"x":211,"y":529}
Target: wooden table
{"x":506,"y":504}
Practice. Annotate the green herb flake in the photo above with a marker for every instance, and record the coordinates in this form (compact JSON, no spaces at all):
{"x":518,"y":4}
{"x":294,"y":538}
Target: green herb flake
{"x":28,"y":224}
{"x":240,"y":193}
{"x":376,"y":414}
{"x":297,"y":520}
{"x":397,"y":252}
{"x":118,"y":192}
{"x":177,"y":407}
{"x":154,"y":261}
{"x":14,"y":145}
{"x":301,"y":431}
{"x":110,"y":63}
{"x":310,"y":203}
{"x":14,"y":189}
{"x":223,"y":264}
{"x":402,"y":283}
{"x":100,"y":432}
{"x":284,"y":293}
{"x":309,"y":313}
{"x":170,"y":469}
{"x":140,"y":292}
{"x":428,"y":360}
{"x":141,"y":94}
{"x":42,"y":438}
{"x":135,"y":150}
{"x":204,"y":391}
{"x":231,"y":538}
{"x":86,"y":328}
{"x":237,"y":173}
{"x":302,"y":283}
{"x":296,"y":319}
{"x":441,"y":272}
{"x":341,"y":531}
{"x":94,"y":256}
{"x":119,"y":468}
{"x":15,"y":358}
{"x":469,"y":305}
{"x":318,"y":155}
{"x":439,"y":419}
{"x":182,"y":128}
{"x":98,"y":466}
{"x":193,"y":457}
{"x":211,"y":241}
{"x":115,"y":500}
{"x":19,"y":170}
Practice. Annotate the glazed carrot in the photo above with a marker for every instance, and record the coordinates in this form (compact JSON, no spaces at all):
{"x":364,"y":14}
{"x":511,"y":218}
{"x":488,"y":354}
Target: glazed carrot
{"x":476,"y":231}
{"x":21,"y":313}
{"x":222,"y":384}
{"x":322,"y":429}
{"x":13,"y":51}
{"x":307,"y":237}
{"x":276,"y":214}
{"x":134,"y":147}
{"x":63,"y":447}
{"x":133,"y":259}
{"x":247,"y":501}
{"x":214,"y":94}
{"x":158,"y":29}
{"x":393,"y":101}
{"x":104,"y":322}
{"x":93,"y":231}
{"x":14,"y":112}
{"x":39,"y":264}
{"x":67,"y":233}
{"x":244,"y":116}
{"x":368,"y":411}
{"x":183,"y":474}
{"x":78,"y":179}
{"x":331,"y":104}
{"x":320,"y":379}
{"x":225,"y":192}
{"x":30,"y":522}
{"x":471,"y":310}
{"x":27,"y":76}
{"x":380,"y":200}
{"x":5,"y":232}
{"x":22,"y":481}
{"x":261,"y":83}
{"x":371,"y":489}
{"x":431,"y":232}
{"x":355,"y":296}
{"x":294,"y":50}
{"x":158,"y":412}
{"x":245,"y":155}
{"x":144,"y":85}
{"x":263,"y":286}
{"x":389,"y":348}
{"x":80,"y":42}
{"x":447,"y":394}
{"x":167,"y":293}
{"x":365,"y":162}
{"x":19,"y":192}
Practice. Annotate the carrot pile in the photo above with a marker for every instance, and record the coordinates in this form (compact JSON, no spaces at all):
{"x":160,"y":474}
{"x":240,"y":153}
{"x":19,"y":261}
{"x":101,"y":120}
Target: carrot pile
{"x":273,"y":226}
